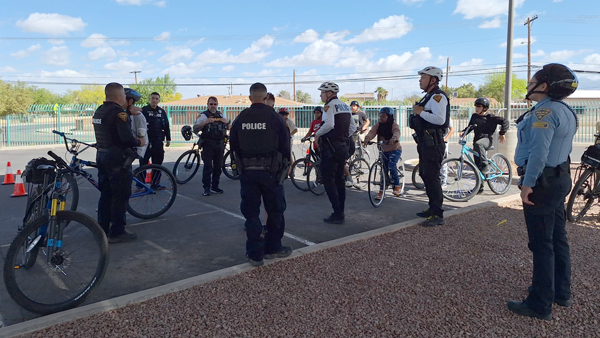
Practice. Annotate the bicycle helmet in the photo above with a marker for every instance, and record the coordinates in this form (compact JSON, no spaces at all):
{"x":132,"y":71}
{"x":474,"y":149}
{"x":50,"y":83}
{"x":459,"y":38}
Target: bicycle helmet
{"x":132,"y":94}
{"x":283,"y":111}
{"x":329,"y":87}
{"x":319,"y":109}
{"x":482,"y":101}
{"x":433,"y":72}
{"x":354,"y":103}
{"x":186,"y":131}
{"x":561,"y":80}
{"x":387,"y":110}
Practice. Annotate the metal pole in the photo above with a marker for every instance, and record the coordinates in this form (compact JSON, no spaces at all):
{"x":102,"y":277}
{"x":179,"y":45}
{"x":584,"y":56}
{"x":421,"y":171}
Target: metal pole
{"x":447,"y":67}
{"x":528,"y":23}
{"x":509,"y":52}
{"x":294,"y":85}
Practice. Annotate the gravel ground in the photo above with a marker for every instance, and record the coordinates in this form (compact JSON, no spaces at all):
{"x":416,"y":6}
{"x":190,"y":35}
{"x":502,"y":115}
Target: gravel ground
{"x":447,"y":281}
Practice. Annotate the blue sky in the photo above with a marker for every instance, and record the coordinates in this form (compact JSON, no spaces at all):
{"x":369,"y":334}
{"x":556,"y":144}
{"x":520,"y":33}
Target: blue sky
{"x":352,"y":42}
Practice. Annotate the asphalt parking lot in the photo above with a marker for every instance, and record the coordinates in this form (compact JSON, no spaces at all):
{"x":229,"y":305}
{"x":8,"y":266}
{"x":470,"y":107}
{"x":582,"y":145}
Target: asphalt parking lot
{"x":203,"y":234}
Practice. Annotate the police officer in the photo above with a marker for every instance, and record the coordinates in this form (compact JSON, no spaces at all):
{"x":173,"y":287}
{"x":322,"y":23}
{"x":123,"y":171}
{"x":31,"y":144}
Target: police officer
{"x":545,"y":140}
{"x":158,"y":130}
{"x":114,"y":139}
{"x":214,"y":129}
{"x":335,"y":144}
{"x":430,"y":120}
{"x":261,"y":142}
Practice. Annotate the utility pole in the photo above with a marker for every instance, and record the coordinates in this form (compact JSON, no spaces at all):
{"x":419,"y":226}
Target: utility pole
{"x":528,"y":23}
{"x":294,"y":85}
{"x":135,"y":73}
{"x":447,"y":68}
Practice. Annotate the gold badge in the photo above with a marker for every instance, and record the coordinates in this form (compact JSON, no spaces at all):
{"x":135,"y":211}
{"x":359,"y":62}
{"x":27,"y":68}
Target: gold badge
{"x":541,"y":113}
{"x":540,"y":124}
{"x":123,"y":116}
{"x":326,"y":108}
{"x":437,"y":98}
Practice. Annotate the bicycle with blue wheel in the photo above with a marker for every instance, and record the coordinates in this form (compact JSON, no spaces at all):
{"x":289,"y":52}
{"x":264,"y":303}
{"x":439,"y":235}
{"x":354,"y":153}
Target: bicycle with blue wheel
{"x":461,"y":179}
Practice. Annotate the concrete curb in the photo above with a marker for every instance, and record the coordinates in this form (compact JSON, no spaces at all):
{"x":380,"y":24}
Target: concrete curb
{"x":141,"y":296}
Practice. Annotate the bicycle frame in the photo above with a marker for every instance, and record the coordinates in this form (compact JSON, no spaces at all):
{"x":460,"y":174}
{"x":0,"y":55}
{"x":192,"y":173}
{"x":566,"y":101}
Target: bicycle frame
{"x":466,"y":151}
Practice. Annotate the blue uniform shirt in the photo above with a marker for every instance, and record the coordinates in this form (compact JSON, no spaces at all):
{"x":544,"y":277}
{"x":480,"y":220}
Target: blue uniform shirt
{"x":545,"y":138}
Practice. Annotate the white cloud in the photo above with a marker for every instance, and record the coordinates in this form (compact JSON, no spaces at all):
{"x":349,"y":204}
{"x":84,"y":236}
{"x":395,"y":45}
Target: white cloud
{"x":26,"y":52}
{"x":410,"y":2}
{"x":309,"y":36}
{"x":94,"y":41}
{"x":7,"y":69}
{"x":471,"y":9}
{"x":163,"y":36}
{"x":180,"y":69}
{"x":56,"y":42}
{"x":142,"y":51}
{"x":472,"y":62}
{"x":160,"y":4}
{"x":538,"y":53}
{"x":519,"y":42}
{"x":126,"y":65}
{"x":176,"y":53}
{"x":592,"y":61}
{"x":562,"y":55}
{"x":262,"y":73}
{"x":104,"y":52}
{"x":396,"y":63}
{"x":57,"y":56}
{"x":317,"y":53}
{"x":392,"y":27}
{"x":557,"y":1}
{"x":335,"y":36}
{"x":61,"y":73}
{"x":494,"y":23}
{"x":192,"y":43}
{"x":229,"y":68}
{"x":519,"y":56}
{"x":51,"y":24}
{"x":256,"y":52}
{"x":133,"y":2}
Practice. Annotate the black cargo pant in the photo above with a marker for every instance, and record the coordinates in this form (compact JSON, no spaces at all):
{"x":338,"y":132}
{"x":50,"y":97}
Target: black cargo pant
{"x":334,"y":179}
{"x":430,"y":164}
{"x":212,"y":157}
{"x":114,"y":183}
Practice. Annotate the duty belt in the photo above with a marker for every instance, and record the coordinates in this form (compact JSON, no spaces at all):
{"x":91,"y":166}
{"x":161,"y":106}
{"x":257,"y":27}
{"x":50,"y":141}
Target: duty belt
{"x":257,"y":163}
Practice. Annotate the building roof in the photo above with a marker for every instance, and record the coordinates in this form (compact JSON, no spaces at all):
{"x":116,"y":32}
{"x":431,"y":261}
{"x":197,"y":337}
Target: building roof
{"x":365,"y":96}
{"x":228,"y":100}
{"x":585,"y":94}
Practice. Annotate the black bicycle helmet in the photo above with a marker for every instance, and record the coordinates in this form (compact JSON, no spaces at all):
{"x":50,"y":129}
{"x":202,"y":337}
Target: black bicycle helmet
{"x":561,"y":80}
{"x":354,"y":103}
{"x":387,"y":110}
{"x":319,"y":109}
{"x":132,"y":94}
{"x":482,"y":101}
{"x":186,"y":131}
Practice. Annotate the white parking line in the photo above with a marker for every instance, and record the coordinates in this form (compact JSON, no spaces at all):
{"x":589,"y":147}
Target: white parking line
{"x":202,"y":213}
{"x":296,"y":238}
{"x":4,"y":246}
{"x":156,"y":246}
{"x":148,"y":222}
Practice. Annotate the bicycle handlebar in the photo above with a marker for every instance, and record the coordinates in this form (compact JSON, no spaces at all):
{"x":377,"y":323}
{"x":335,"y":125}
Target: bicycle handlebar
{"x":59,"y":160}
{"x":72,"y":151}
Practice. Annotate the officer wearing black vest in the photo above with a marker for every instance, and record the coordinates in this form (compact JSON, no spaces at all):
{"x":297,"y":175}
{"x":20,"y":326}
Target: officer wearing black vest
{"x":158,"y":130}
{"x":214,"y":129}
{"x":430,"y":120}
{"x":114,"y":139}
{"x":260,"y":140}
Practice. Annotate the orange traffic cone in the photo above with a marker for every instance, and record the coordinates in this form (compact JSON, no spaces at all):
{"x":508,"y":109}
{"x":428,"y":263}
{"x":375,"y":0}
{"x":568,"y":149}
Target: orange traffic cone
{"x":9,"y":177}
{"x":19,"y":186}
{"x":148,"y":176}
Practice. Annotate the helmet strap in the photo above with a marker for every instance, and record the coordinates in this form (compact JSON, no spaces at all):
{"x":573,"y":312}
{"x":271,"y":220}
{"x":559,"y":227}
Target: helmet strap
{"x":534,"y":91}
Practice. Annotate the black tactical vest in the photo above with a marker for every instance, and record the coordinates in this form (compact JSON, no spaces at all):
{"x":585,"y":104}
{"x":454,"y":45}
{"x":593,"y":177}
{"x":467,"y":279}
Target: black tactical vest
{"x":420,"y":125}
{"x":105,"y":127}
{"x":258,"y":136}
{"x":215,"y":131}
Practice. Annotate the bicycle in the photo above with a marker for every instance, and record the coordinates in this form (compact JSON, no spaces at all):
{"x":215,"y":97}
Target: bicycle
{"x":73,"y":245}
{"x":417,"y":180}
{"x":359,"y":150}
{"x":587,"y":183}
{"x":300,"y":167}
{"x":461,"y":179}
{"x":379,"y":177}
{"x":151,"y":182}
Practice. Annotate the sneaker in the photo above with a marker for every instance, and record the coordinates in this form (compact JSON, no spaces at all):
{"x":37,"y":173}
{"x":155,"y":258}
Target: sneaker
{"x":433,"y":221}
{"x":522,"y":309}
{"x":334,"y":219}
{"x":206,"y":192}
{"x":480,"y":190}
{"x":397,"y":191}
{"x":216,"y":190}
{"x":563,"y":302}
{"x":253,"y":262}
{"x":126,"y":236}
{"x":379,"y":195}
{"x":349,"y":182}
{"x":424,"y":213}
{"x":284,"y":252}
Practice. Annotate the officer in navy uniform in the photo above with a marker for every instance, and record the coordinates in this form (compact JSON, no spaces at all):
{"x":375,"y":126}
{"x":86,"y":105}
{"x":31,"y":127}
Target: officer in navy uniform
{"x":260,"y":140}
{"x":545,"y":141}
{"x":158,"y":130}
{"x":114,"y":139}
{"x":214,"y":129}
{"x":430,"y":121}
{"x":336,"y":147}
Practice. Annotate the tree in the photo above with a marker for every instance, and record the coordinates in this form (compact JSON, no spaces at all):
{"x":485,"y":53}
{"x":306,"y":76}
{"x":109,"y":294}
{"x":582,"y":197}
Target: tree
{"x":409,"y":101}
{"x":165,"y":86}
{"x":284,"y":94}
{"x":14,"y":98}
{"x":494,"y":86}
{"x":303,"y":97}
{"x":90,"y":94}
{"x":381,"y":93}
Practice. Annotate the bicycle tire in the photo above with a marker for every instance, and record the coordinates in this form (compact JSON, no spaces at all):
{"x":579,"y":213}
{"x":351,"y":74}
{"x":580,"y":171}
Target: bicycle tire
{"x":162,"y":189}
{"x":585,"y":189}
{"x":299,"y":173}
{"x":377,"y":183}
{"x":189,"y":166}
{"x":62,"y":280}
{"x":72,"y":188}
{"x":228,"y":166}
{"x":460,"y":181}
{"x":501,"y":184}
{"x":314,"y":180}
{"x":359,"y":171}
{"x":417,"y":180}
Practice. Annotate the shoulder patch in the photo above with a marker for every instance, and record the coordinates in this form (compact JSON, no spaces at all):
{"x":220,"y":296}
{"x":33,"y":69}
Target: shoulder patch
{"x":326,"y":108}
{"x":540,"y":124}
{"x":437,"y":98}
{"x":123,"y":116}
{"x":541,"y":113}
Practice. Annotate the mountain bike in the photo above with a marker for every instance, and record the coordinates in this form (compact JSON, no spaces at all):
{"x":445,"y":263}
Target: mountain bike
{"x":379,"y":177}
{"x":587,"y":183}
{"x":300,"y":167}
{"x":359,"y":150}
{"x":58,"y":257}
{"x":461,"y":179}
{"x":153,"y":188}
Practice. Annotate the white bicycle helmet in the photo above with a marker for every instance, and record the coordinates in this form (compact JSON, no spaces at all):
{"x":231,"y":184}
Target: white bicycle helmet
{"x":432,"y":71}
{"x":329,"y":87}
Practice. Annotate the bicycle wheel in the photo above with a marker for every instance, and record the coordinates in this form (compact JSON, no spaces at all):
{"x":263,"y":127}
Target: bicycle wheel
{"x":460,"y":180}
{"x":153,"y":191}
{"x":401,"y":174}
{"x":359,"y":171}
{"x":63,"y":280}
{"x":229,"y":166}
{"x":314,"y":180}
{"x":299,"y":173}
{"x":377,"y":184}
{"x":583,"y":195}
{"x":417,"y":180}
{"x":500,"y":174}
{"x":70,"y":190}
{"x":186,"y":166}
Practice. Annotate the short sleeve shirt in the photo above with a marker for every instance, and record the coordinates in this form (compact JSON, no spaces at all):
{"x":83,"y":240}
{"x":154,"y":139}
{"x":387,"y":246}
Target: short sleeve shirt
{"x":315,"y":125}
{"x":360,"y":118}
